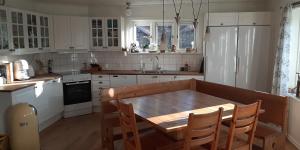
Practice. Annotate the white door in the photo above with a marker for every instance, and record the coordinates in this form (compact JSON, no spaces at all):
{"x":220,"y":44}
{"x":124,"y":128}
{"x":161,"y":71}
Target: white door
{"x":221,"y":55}
{"x":80,"y":32}
{"x":62,"y":32}
{"x":253,"y":57}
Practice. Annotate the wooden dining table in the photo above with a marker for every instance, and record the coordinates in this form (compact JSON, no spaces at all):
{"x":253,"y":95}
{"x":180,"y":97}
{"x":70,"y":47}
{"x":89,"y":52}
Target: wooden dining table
{"x":169,"y":111}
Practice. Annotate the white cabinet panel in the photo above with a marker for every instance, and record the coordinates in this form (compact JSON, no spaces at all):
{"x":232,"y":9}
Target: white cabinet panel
{"x":80,"y":32}
{"x":253,"y":53}
{"x":223,"y":19}
{"x":255,"y":18}
{"x":62,"y":36}
{"x":221,"y":55}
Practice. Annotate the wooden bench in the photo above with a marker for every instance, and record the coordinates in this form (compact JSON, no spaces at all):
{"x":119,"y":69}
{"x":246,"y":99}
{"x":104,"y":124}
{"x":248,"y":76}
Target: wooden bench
{"x":272,"y":129}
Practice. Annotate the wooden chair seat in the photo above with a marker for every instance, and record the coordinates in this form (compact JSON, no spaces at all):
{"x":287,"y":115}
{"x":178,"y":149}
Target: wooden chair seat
{"x":179,"y":146}
{"x":264,"y":131}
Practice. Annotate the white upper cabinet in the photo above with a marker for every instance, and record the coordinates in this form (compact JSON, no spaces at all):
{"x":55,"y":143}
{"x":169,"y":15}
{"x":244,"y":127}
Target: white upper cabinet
{"x":223,"y":19}
{"x":254,"y":18}
{"x":71,"y":32}
{"x":106,"y":33}
{"x":80,"y":32}
{"x":32,"y":30}
{"x":62,"y":32}
{"x":17,"y":29}
{"x":4,"y":36}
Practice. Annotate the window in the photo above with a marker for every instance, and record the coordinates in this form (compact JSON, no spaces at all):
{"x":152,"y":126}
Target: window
{"x":186,"y":36}
{"x":143,"y":35}
{"x":294,"y":57}
{"x":168,"y":30}
{"x":147,"y":34}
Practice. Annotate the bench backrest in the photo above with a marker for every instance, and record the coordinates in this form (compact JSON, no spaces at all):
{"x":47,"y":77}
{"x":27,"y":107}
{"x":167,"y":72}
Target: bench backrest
{"x":276,"y":107}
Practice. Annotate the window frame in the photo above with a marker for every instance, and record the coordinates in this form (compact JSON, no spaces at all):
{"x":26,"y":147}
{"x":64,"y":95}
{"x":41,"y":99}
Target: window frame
{"x":178,"y":40}
{"x":160,"y":23}
{"x":143,"y":23}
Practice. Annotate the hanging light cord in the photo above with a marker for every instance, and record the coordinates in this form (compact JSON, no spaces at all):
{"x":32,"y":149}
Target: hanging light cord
{"x":163,"y":16}
{"x":196,"y":18}
{"x":177,"y":12}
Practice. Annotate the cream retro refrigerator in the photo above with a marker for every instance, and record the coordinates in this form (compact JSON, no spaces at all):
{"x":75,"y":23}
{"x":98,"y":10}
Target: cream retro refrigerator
{"x":24,"y":131}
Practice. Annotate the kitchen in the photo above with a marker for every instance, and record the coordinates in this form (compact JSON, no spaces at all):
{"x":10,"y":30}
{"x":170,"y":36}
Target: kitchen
{"x":59,"y":55}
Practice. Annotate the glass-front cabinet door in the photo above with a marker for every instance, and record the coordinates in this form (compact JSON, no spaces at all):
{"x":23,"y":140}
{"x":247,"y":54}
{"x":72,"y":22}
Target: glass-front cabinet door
{"x":4,"y":35}
{"x":97,"y":33}
{"x":17,"y":24}
{"x":44,"y":31}
{"x":32,"y":30}
{"x":113,"y":34}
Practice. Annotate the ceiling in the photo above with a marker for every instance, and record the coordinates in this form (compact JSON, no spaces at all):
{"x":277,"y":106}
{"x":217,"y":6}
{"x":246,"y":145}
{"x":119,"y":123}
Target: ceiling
{"x":133,"y":2}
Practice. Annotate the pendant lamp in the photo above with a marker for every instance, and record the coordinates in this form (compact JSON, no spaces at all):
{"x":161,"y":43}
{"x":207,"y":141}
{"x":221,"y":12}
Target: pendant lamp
{"x":163,"y":39}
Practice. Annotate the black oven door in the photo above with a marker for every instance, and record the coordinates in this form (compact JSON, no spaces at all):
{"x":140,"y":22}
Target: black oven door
{"x":77,"y":92}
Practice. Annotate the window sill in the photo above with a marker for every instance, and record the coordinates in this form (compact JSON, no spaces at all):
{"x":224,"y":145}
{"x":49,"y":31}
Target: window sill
{"x":166,"y":53}
{"x":293,"y":97}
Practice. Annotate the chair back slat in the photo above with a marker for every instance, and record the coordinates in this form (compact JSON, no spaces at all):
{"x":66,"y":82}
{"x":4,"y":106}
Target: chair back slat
{"x":244,"y":121}
{"x":203,"y":129}
{"x":128,"y":126}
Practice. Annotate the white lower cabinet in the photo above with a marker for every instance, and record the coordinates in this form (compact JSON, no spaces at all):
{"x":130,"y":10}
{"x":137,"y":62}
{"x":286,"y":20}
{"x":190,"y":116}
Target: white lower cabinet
{"x":146,"y":79}
{"x":99,"y":82}
{"x":46,"y":97}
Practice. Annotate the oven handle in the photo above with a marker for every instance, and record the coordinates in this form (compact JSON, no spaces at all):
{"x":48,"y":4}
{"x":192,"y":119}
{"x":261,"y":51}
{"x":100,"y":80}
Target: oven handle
{"x":77,"y":83}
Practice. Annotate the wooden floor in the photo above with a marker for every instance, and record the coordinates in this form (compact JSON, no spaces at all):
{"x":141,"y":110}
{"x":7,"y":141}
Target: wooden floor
{"x":80,"y":133}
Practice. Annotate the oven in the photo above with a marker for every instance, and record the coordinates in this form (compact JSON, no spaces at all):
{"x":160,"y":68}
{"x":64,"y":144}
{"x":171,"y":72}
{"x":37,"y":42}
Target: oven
{"x":77,"y":92}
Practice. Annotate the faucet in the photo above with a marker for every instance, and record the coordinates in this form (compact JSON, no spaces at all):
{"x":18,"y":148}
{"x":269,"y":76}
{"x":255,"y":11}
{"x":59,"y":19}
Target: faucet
{"x":155,"y":64}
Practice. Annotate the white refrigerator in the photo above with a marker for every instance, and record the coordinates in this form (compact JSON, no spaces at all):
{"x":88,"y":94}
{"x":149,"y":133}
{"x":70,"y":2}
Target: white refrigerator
{"x":238,"y":56}
{"x":220,"y":55}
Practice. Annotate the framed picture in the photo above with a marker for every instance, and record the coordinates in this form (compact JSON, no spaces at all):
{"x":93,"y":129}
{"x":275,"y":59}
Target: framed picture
{"x":2,"y":2}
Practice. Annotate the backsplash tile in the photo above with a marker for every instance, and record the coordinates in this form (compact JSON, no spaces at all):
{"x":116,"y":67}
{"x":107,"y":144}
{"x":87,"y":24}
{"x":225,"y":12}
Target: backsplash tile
{"x":111,"y":60}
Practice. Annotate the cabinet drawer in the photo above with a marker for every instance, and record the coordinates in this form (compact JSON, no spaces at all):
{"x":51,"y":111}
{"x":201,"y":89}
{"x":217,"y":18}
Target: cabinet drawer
{"x":255,"y":18}
{"x":189,"y":77}
{"x":100,"y":77}
{"x":100,"y":84}
{"x":122,"y":80}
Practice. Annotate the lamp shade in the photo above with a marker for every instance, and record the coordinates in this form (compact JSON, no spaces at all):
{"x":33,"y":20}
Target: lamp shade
{"x":163,"y":41}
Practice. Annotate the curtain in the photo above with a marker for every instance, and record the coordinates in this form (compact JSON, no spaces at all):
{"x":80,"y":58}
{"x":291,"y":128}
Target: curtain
{"x":281,"y":68}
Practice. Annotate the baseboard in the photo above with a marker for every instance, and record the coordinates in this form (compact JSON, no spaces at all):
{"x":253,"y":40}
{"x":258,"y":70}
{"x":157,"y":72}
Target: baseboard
{"x":293,"y":141}
{"x":50,"y":121}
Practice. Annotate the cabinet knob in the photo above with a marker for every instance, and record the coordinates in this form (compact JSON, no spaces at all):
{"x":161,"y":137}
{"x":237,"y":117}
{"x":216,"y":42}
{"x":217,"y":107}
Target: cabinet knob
{"x":100,"y":82}
{"x":254,"y":23}
{"x":222,"y":24}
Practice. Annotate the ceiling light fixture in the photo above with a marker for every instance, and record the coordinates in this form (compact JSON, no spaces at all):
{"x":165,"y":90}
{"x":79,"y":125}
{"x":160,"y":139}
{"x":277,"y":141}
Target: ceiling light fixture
{"x":128,"y":9}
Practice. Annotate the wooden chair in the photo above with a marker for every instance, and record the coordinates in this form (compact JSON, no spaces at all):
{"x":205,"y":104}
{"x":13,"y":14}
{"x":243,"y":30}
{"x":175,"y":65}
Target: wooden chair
{"x":201,"y":130}
{"x":131,"y":138}
{"x":244,"y":121}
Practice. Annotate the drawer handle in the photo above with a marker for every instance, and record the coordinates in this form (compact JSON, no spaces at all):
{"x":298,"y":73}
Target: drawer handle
{"x":254,"y":23}
{"x":154,"y":76}
{"x":222,"y":24}
{"x":115,"y":76}
{"x":100,"y":76}
{"x":100,"y":82}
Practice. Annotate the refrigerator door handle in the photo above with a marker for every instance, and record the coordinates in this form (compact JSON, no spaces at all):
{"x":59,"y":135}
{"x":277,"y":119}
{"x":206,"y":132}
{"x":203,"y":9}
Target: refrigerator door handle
{"x":34,"y":109}
{"x":237,"y":64}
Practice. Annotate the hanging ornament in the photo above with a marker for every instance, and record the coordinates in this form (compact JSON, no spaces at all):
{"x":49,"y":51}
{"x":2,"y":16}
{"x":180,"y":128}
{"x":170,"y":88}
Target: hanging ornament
{"x":207,"y":31}
{"x":196,"y":17}
{"x":177,"y":18}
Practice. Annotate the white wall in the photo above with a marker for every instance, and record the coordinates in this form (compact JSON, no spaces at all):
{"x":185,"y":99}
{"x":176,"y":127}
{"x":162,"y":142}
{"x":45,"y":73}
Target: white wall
{"x":294,"y":109}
